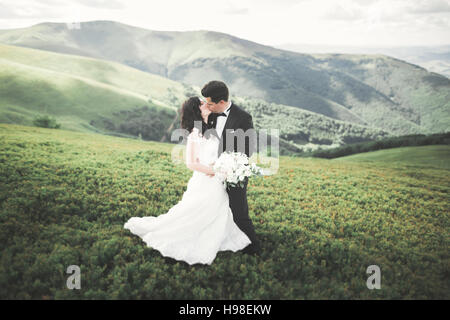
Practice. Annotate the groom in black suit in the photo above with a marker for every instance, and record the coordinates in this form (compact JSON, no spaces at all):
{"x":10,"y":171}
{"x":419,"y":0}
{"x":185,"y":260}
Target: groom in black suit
{"x":234,"y":128}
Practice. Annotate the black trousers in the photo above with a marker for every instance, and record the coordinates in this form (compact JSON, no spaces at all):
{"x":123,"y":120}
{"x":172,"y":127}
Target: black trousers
{"x":239,"y":207}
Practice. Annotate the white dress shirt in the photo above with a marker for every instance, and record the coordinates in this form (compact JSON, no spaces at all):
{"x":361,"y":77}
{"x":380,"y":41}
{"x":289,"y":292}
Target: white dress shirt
{"x":221,"y":120}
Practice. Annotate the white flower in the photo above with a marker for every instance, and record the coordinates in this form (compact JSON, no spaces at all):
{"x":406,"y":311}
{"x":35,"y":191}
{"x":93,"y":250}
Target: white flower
{"x":233,"y":167}
{"x":233,"y":180}
{"x":242,"y":160}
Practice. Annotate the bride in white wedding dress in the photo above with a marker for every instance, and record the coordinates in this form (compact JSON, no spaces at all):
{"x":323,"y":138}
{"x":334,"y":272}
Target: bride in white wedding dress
{"x":201,"y":223}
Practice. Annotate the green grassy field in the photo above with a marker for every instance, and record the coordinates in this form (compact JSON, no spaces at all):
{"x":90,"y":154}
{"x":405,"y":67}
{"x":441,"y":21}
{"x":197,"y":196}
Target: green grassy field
{"x":64,"y":197}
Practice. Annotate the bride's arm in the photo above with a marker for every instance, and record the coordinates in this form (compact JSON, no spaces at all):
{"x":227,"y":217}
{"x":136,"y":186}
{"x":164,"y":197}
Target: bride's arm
{"x":192,"y":158}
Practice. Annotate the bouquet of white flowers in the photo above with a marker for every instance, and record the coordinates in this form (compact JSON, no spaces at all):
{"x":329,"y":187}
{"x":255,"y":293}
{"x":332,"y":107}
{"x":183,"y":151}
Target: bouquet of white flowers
{"x":233,"y":167}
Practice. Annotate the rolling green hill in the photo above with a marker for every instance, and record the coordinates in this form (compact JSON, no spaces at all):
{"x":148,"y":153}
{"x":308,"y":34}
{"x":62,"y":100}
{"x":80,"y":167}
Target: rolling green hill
{"x":412,"y":140}
{"x":437,"y":156}
{"x":83,"y":94}
{"x":373,"y":90}
{"x":64,"y":197}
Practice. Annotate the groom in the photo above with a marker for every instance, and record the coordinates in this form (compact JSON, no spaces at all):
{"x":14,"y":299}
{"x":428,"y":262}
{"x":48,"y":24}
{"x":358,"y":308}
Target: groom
{"x":232,"y":125}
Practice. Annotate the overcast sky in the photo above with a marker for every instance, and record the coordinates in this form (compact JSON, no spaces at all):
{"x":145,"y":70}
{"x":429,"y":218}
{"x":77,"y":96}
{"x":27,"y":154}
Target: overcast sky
{"x":270,"y":22}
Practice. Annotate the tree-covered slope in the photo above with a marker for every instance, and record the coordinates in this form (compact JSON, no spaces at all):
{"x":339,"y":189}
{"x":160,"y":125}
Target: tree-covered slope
{"x":82,"y":93}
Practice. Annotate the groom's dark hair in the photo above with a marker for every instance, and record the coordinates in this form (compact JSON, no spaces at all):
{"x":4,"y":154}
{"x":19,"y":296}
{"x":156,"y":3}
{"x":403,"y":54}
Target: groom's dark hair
{"x":216,"y":90}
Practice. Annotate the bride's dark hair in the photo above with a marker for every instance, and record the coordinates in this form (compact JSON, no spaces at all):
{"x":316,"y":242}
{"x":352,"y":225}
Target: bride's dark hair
{"x":190,"y":112}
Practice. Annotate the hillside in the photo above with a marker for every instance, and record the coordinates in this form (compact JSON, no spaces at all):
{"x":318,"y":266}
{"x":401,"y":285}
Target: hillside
{"x":84,"y":94}
{"x":88,"y":94}
{"x":303,"y":131}
{"x":64,"y":197}
{"x":436,"y":156}
{"x":373,"y":90}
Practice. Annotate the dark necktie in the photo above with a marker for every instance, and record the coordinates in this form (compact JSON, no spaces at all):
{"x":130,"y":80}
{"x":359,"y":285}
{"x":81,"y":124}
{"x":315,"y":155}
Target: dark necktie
{"x":213,"y":121}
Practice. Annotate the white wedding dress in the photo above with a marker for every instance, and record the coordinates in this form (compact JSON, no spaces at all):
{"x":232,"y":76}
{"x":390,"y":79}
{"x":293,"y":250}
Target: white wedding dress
{"x":201,"y":223}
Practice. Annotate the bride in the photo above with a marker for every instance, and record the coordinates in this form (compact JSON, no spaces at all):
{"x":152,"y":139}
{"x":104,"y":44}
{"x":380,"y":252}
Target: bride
{"x":201,"y":223}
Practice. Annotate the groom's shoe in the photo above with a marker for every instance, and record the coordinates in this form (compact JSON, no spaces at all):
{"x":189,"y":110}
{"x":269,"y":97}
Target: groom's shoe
{"x":252,"y":249}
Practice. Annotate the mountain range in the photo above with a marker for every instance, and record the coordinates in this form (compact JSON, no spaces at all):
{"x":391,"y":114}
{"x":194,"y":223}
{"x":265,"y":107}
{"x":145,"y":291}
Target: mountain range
{"x":432,"y":58}
{"x":376,"y":93}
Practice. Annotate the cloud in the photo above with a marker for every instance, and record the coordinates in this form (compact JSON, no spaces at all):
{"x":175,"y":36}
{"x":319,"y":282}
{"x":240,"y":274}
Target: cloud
{"x":340,"y":12}
{"x":429,"y":6}
{"x":273,"y":3}
{"x":103,"y":4}
{"x":365,"y":3}
{"x":358,"y":22}
{"x":24,"y":10}
{"x":237,"y":11}
{"x":251,"y":6}
{"x":8,"y":13}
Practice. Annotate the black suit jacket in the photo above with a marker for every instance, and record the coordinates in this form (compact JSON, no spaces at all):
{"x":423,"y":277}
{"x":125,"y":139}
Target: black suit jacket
{"x":243,"y":140}
{"x":238,"y":141}
{"x":240,"y":121}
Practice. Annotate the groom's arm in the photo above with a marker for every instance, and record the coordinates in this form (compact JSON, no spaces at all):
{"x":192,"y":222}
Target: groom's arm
{"x":250,"y":136}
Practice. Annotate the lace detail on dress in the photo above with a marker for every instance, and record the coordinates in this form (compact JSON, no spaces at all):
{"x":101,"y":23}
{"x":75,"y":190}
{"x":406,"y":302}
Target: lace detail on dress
{"x":206,"y":149}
